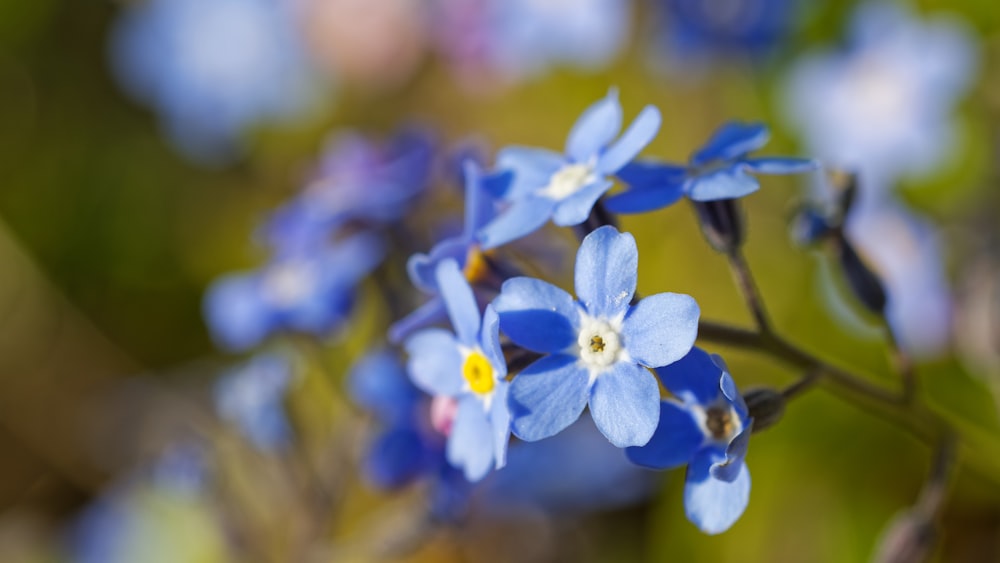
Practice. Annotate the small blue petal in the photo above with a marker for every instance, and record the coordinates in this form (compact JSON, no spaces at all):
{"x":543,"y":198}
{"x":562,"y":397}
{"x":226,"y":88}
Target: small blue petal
{"x":395,"y":458}
{"x":430,"y":313}
{"x":693,"y":378}
{"x":532,"y":169}
{"x":625,"y":404}
{"x":631,"y":143}
{"x":642,"y":200}
{"x":422,"y":268}
{"x":489,"y":340}
{"x":470,"y":445}
{"x":727,"y":183}
{"x":729,"y":390}
{"x":661,"y":328}
{"x":606,"y":272}
{"x":728,"y":470}
{"x":780,"y":165}
{"x":537,"y":315}
{"x":379,"y":384}
{"x":677,"y":438}
{"x":460,"y":302}
{"x":435,"y":363}
{"x":732,"y":141}
{"x":595,"y":128}
{"x":547,"y":396}
{"x":645,"y":174}
{"x":500,"y":421}
{"x":237,"y":317}
{"x":576,"y":208}
{"x":521,"y":219}
{"x":714,"y":505}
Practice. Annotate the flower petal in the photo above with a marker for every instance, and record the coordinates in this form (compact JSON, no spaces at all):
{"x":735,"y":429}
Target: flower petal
{"x":547,"y":396}
{"x":520,"y":219}
{"x":661,"y":328}
{"x":694,"y":378}
{"x":378,"y":383}
{"x":676,"y":440}
{"x":728,"y":470}
{"x":537,"y":315}
{"x":431,"y":312}
{"x":595,"y":128}
{"x":489,"y":340}
{"x":576,"y":208}
{"x":606,"y":272}
{"x":532,"y":169}
{"x":237,"y":316}
{"x":642,"y":200}
{"x":435,"y":363}
{"x":728,"y":183}
{"x":625,"y":404}
{"x":780,"y":165}
{"x":395,"y":458}
{"x":731,"y":141}
{"x":460,"y":302}
{"x":714,"y":505}
{"x":500,"y":421}
{"x":631,"y":143}
{"x":470,"y":445}
{"x":645,"y":174}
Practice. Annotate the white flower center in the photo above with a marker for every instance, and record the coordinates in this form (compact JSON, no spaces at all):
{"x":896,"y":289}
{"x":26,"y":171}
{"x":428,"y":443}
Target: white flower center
{"x":600,"y":343}
{"x":568,"y":180}
{"x":719,"y":422}
{"x":289,"y":283}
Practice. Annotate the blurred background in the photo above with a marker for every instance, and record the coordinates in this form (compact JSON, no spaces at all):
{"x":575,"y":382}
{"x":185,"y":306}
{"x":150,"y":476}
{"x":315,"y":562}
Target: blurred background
{"x":145,"y":147}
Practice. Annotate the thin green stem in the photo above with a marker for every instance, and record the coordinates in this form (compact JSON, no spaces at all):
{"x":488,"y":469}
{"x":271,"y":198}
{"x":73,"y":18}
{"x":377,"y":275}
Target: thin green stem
{"x":751,"y":295}
{"x":902,"y":364}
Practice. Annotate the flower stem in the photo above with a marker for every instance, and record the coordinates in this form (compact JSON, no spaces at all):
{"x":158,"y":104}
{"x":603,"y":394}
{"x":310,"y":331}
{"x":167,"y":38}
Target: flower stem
{"x":745,"y":282}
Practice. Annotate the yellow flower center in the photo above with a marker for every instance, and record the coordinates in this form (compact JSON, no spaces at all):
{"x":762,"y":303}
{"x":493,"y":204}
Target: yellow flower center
{"x":720,"y":422}
{"x":478,"y":372}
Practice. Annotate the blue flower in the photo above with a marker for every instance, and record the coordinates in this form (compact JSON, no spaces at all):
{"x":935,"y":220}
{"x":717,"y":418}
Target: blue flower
{"x":465,"y":249}
{"x":310,"y":291}
{"x":252,"y":398}
{"x":598,"y":348}
{"x":718,"y":170}
{"x":565,"y":187}
{"x":883,"y":106}
{"x":468,"y":366}
{"x":213,"y":68}
{"x":706,"y":426}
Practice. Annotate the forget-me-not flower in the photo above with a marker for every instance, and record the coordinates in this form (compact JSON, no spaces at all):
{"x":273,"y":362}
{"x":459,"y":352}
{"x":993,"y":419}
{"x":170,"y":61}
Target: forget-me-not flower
{"x":467,"y":365}
{"x":564,"y":187}
{"x":598,"y":347}
{"x":252,"y":398}
{"x":721,"y":169}
{"x":312,"y":291}
{"x":883,"y":106}
{"x":706,"y":426}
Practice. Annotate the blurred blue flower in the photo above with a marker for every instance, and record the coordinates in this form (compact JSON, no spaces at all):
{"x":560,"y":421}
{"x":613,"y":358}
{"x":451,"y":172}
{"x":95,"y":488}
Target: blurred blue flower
{"x":519,"y":39}
{"x":706,"y":426}
{"x":252,"y":398}
{"x":213,"y":68}
{"x":721,"y":169}
{"x":310,"y":292}
{"x":565,"y":187}
{"x":469,"y":367}
{"x":883,"y":106}
{"x":598,"y":348}
{"x":464,"y":248}
{"x":357,"y":180}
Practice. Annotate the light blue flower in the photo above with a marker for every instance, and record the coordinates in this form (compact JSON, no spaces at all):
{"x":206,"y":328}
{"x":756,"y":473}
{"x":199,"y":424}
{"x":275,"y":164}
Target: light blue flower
{"x":464,"y":248}
{"x":706,"y":426}
{"x":597,"y":347}
{"x":564,"y":187}
{"x":252,"y":398}
{"x":467,"y":365}
{"x":883,"y":106}
{"x":310,"y":292}
{"x":721,"y":169}
{"x":213,"y":68}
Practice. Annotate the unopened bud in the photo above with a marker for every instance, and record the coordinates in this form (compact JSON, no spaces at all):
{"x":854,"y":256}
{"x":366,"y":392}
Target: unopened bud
{"x":865,"y":284}
{"x":722,"y":223}
{"x":766,"y":406}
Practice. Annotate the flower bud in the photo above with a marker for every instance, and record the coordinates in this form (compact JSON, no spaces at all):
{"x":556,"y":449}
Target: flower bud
{"x":766,"y":406}
{"x":722,"y":223}
{"x":865,"y":284}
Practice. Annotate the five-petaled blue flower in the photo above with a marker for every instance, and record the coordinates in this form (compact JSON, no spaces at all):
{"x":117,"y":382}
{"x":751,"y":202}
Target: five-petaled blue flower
{"x":470,"y":367}
{"x":706,"y":426}
{"x":598,"y":347}
{"x":719,"y":170}
{"x":565,"y":187}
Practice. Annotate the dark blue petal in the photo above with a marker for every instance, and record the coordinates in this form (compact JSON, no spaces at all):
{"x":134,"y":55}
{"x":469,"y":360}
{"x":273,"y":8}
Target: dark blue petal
{"x":727,"y":183}
{"x":435,"y":363}
{"x":460,"y":302}
{"x":661,"y":328}
{"x":731,"y":141}
{"x":728,"y":470}
{"x":780,"y":165}
{"x":631,"y":143}
{"x":595,"y":128}
{"x":520,"y":219}
{"x":625,"y":404}
{"x":576,"y":208}
{"x":694,"y":378}
{"x":645,"y":174}
{"x":395,"y":458}
{"x":547,"y":396}
{"x":714,"y":505}
{"x":470,"y":445}
{"x":606,"y":272}
{"x":678,"y":436}
{"x":537,"y":315}
{"x":642,"y":200}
